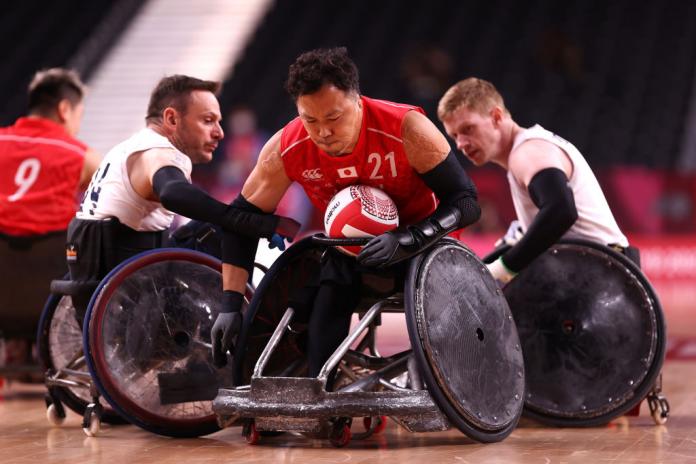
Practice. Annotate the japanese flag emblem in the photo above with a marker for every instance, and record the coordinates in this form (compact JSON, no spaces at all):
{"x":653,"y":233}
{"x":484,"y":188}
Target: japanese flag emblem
{"x":346,"y":173}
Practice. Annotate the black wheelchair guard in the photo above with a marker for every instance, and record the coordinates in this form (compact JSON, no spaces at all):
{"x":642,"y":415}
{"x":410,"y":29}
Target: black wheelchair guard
{"x":480,"y":388}
{"x":542,"y":406}
{"x":101,"y":372}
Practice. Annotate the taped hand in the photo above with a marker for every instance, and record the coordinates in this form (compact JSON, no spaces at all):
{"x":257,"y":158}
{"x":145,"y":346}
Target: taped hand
{"x":500,"y":272}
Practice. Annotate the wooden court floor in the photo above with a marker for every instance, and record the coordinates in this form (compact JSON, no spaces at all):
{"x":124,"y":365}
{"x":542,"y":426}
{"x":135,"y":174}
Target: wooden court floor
{"x":26,"y":437}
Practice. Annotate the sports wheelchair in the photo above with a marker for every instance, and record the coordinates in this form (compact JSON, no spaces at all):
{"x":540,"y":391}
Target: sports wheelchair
{"x":592,"y":332}
{"x":144,"y":345}
{"x":464,"y":368}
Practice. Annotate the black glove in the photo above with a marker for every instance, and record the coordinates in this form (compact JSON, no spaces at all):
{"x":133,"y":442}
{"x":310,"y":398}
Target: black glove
{"x":226,"y":326}
{"x":403,"y":243}
{"x":224,"y":332}
{"x":382,"y":248}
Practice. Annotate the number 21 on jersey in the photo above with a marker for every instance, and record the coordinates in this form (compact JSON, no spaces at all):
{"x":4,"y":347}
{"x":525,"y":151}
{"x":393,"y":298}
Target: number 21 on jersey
{"x":376,"y":160}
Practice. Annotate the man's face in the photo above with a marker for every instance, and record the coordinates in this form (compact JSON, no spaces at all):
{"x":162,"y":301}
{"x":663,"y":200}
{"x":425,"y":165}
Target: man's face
{"x":476,"y":135}
{"x":198,"y":131}
{"x":332,"y":118}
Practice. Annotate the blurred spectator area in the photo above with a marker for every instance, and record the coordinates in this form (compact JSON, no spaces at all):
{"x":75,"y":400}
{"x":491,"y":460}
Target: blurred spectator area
{"x":612,"y":76}
{"x":37,"y":34}
{"x":615,"y":77}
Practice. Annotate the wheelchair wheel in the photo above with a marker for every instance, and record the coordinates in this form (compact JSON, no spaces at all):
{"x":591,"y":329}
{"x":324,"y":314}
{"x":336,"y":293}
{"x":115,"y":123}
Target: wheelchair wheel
{"x":465,"y":341}
{"x":290,"y":273}
{"x":592,"y":333}
{"x":147,"y":341}
{"x":59,"y":344}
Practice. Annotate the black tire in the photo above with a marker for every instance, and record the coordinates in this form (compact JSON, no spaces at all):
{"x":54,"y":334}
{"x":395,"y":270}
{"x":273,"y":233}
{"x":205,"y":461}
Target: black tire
{"x":169,"y":418}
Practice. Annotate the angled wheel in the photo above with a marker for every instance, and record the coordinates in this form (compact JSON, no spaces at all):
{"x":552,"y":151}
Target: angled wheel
{"x":465,"y":341}
{"x":147,"y":341}
{"x":592,"y":334}
{"x":287,"y":282}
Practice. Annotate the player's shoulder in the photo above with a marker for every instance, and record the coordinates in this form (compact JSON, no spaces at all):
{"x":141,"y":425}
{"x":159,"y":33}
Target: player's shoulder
{"x":387,"y":114}
{"x":270,"y":159}
{"x":293,"y":137}
{"x":531,"y":156}
{"x":165,"y":156}
{"x":378,"y":104}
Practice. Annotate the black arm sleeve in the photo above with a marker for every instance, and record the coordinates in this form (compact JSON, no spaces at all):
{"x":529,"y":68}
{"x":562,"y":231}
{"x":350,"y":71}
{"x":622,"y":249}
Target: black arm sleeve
{"x":551,"y":193}
{"x":239,"y":249}
{"x":454,"y":188}
{"x":177,"y":194}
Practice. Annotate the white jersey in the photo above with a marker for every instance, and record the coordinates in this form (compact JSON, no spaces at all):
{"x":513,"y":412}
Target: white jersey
{"x":110,"y":193}
{"x":595,"y":221}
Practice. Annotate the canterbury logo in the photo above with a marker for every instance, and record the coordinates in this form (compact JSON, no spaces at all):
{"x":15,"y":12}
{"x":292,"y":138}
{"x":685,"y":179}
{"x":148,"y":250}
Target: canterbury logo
{"x":312,"y":174}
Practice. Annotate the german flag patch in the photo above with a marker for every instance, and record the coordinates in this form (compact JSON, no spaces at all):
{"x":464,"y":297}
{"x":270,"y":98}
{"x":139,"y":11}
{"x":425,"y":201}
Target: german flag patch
{"x":71,"y":252}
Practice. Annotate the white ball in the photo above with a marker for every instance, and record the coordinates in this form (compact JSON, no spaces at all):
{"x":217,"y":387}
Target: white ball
{"x":359,"y":211}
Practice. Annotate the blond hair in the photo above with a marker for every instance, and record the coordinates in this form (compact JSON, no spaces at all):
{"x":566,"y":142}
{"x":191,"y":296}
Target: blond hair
{"x":475,"y":94}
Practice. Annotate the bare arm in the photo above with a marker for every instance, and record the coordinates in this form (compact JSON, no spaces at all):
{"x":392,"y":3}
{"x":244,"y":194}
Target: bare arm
{"x":89,"y":167}
{"x":264,"y":188}
{"x":424,"y":144}
{"x":268,"y":182}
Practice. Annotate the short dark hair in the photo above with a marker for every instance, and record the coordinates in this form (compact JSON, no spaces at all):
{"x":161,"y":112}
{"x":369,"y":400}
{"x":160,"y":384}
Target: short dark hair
{"x":174,"y":91}
{"x":49,"y":86}
{"x":311,"y":70}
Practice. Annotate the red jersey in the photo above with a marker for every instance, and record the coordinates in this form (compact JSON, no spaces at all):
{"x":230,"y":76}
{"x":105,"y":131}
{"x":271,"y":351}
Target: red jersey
{"x":378,"y":160}
{"x":40,"y":167}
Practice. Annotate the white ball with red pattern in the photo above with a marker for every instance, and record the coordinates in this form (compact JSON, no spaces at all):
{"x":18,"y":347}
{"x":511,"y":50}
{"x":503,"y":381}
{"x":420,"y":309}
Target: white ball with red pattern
{"x":360,"y":211}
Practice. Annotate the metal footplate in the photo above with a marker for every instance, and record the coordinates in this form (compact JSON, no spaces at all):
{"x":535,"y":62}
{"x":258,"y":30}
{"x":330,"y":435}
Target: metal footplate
{"x":302,"y":404}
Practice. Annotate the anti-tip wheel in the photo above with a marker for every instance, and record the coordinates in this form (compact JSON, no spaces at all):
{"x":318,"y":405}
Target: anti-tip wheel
{"x":659,"y":409}
{"x":340,"y":435}
{"x":92,"y":430}
{"x":251,"y":435}
{"x":54,"y":416}
{"x":375,"y":425}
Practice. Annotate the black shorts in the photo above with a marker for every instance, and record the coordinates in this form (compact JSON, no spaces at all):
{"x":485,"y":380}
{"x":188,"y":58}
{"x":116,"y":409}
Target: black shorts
{"x":93,"y":248}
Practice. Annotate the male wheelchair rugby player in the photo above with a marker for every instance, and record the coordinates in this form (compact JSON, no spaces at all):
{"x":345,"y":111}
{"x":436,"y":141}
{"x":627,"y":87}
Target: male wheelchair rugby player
{"x":592,"y":333}
{"x":464,"y":367}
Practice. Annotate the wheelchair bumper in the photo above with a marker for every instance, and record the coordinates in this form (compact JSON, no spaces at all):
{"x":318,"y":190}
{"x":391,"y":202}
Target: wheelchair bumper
{"x":302,"y":404}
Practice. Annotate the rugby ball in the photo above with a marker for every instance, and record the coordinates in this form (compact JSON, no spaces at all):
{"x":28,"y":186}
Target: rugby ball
{"x":359,"y":211}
